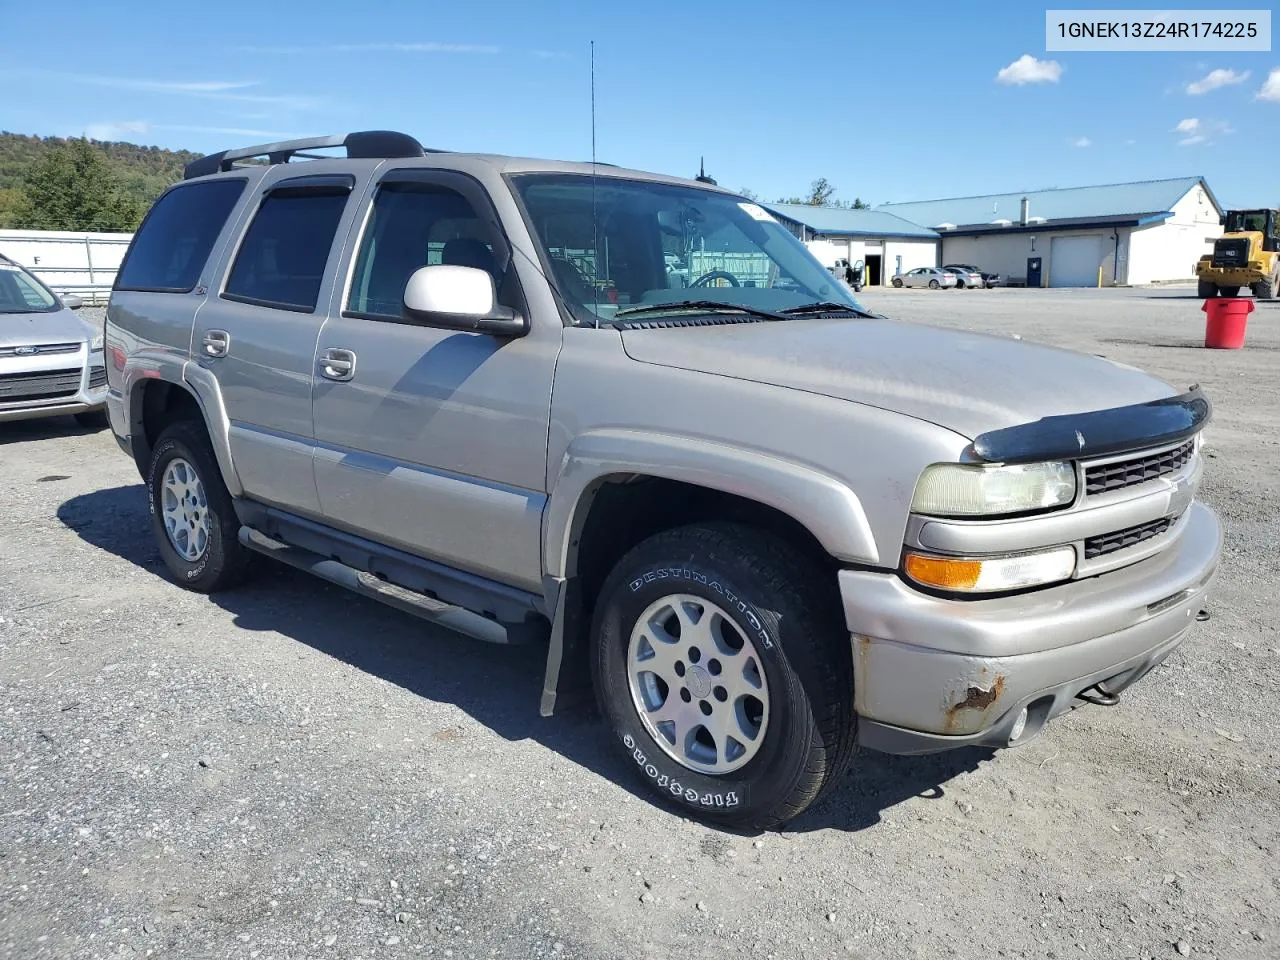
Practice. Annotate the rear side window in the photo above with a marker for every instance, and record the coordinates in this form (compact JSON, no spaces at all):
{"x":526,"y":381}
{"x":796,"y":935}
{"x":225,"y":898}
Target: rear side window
{"x":174,"y":240}
{"x":282,"y":259}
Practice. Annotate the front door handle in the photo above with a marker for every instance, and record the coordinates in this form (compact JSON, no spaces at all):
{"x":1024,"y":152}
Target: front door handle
{"x":217,"y":343}
{"x":338,"y":364}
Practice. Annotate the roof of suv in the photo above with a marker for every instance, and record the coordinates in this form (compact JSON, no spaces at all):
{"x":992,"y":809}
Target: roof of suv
{"x":386,"y":145}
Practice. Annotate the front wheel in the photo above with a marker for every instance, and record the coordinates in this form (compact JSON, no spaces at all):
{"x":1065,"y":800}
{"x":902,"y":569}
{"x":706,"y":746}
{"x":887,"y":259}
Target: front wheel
{"x":934,"y":284}
{"x":897,"y":281}
{"x":192,"y":515}
{"x":721,"y":662}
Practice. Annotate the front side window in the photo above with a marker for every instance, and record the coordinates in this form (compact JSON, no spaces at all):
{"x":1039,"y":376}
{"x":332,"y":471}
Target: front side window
{"x":173,"y":243}
{"x":614,"y":244}
{"x":22,"y":293}
{"x":282,"y":258}
{"x":414,"y":225}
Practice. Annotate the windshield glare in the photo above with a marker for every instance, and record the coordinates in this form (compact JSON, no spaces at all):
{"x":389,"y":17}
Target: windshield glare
{"x":22,"y":293}
{"x":1244,"y":220}
{"x":614,"y":244}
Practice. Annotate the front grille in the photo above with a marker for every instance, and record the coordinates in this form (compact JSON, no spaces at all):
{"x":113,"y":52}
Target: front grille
{"x":97,"y":377}
{"x":41,"y":349}
{"x":1122,"y":539}
{"x":41,"y":386}
{"x":1231,"y":252}
{"x":1127,"y":473}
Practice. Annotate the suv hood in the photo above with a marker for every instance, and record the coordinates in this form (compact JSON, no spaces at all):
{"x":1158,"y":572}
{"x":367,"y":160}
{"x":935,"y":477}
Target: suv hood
{"x":969,"y":383}
{"x":64,"y":326}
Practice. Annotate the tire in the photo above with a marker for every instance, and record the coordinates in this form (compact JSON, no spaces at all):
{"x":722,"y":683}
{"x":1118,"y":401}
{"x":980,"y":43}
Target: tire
{"x":92,"y":419}
{"x":896,"y":281}
{"x":217,"y":559}
{"x":1206,"y":290}
{"x":934,"y":285}
{"x":1228,"y":291}
{"x":1265,"y":289}
{"x":785,"y":610}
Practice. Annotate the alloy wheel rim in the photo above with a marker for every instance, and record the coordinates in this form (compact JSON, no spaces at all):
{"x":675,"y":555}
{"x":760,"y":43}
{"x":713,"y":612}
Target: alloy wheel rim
{"x":697,"y":684}
{"x":185,"y":510}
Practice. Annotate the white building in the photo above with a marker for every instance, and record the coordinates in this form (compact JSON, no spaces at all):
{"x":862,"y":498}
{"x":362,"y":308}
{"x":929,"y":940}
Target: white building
{"x":888,"y":245}
{"x":1123,"y":233}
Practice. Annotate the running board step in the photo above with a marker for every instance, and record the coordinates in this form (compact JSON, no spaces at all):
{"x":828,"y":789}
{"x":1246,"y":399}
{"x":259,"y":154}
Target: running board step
{"x":406,"y":601}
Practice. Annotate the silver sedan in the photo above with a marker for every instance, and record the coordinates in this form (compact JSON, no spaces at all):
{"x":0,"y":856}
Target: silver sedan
{"x":931,"y":277}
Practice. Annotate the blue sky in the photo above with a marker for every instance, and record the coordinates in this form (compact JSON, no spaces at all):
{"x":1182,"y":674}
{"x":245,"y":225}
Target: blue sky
{"x":890,"y":102}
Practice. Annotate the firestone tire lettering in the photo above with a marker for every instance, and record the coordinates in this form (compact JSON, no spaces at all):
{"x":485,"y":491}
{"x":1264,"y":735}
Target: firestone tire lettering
{"x":678,"y":790}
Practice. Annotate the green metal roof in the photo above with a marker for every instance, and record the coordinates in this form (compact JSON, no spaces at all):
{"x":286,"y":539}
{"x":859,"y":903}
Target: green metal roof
{"x":842,"y":222}
{"x":1081,"y":204}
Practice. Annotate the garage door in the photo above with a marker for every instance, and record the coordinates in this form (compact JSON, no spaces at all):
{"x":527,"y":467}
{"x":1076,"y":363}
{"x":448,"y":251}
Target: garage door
{"x":1074,"y":261}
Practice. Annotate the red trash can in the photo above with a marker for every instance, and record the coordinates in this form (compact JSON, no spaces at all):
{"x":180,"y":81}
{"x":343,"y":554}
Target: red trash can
{"x":1226,"y":319}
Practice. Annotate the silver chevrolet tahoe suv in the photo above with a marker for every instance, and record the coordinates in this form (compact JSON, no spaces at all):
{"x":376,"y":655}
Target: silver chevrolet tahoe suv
{"x":632,"y":417}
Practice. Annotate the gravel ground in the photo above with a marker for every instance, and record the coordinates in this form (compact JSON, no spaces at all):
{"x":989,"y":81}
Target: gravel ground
{"x":289,"y":771}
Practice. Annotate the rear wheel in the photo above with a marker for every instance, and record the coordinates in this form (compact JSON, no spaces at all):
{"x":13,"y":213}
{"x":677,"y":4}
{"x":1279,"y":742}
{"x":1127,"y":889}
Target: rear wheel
{"x":1206,"y":289}
{"x":721,"y":661}
{"x":192,"y":515}
{"x":897,"y":281}
{"x":934,"y":285}
{"x":1265,"y":289}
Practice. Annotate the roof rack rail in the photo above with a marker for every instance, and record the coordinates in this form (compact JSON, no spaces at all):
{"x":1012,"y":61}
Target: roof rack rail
{"x":362,"y":145}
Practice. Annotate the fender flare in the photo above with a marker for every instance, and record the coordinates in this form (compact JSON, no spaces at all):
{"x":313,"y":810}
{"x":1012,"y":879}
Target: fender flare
{"x":180,"y":373}
{"x":824,"y":505}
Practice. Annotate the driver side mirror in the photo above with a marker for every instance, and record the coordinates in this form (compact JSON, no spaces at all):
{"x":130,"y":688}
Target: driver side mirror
{"x":460,"y":298}
{"x":71,"y":301}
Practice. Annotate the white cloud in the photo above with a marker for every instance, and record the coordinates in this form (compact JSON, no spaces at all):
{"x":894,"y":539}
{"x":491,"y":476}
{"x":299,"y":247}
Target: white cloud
{"x":1192,"y":141}
{"x":109,"y":130}
{"x":1189,"y":125}
{"x":1027,"y":69}
{"x":1197,"y":131}
{"x":1082,"y":142}
{"x":551,"y":55}
{"x":1271,"y":87}
{"x":1215,"y":79}
{"x":428,"y":47}
{"x":223,"y":90}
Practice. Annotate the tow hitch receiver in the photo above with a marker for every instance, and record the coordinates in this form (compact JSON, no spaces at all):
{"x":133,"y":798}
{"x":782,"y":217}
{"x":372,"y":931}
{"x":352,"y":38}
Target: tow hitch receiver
{"x":1099,"y":695}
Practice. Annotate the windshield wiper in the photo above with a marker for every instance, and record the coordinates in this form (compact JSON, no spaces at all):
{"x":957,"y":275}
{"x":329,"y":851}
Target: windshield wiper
{"x":828,"y":306}
{"x":707,"y":305}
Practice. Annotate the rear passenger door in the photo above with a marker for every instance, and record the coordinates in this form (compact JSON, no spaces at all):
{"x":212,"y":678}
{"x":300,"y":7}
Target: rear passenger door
{"x":433,"y":440}
{"x":257,"y":336}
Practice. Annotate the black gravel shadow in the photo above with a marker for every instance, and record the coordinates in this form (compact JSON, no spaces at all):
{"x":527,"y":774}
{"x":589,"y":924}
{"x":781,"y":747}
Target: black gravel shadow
{"x":499,"y":686}
{"x":43,"y":428}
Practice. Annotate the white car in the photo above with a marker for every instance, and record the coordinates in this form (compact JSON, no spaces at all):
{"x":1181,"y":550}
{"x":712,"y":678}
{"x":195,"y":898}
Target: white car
{"x":51,"y":360}
{"x":931,"y":277}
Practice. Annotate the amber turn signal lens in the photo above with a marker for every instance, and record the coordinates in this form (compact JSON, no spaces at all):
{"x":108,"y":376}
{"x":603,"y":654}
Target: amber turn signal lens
{"x":944,"y":572}
{"x":991,"y":574}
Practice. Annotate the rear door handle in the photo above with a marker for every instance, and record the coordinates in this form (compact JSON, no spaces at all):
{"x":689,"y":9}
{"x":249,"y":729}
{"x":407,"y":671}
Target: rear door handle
{"x":338,"y":364}
{"x":217,"y":343}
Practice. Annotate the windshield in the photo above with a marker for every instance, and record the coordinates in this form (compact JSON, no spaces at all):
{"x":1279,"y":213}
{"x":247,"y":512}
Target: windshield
{"x":1239,"y":221}
{"x":22,"y":293}
{"x":615,"y":244}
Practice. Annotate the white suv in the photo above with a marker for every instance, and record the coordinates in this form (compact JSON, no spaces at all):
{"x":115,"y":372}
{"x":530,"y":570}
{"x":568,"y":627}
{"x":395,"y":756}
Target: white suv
{"x":51,"y":361}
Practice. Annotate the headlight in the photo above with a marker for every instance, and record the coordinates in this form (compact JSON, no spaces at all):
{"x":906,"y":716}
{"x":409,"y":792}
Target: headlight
{"x":969,"y":490}
{"x":96,"y":343}
{"x":991,"y":574}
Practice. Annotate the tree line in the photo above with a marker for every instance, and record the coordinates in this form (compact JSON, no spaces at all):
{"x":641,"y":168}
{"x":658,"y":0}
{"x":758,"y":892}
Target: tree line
{"x":822,"y":193}
{"x":51,"y":183}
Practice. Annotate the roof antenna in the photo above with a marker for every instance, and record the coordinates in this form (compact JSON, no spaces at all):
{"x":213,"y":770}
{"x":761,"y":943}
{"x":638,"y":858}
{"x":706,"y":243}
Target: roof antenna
{"x":595,"y":230}
{"x":702,"y":173}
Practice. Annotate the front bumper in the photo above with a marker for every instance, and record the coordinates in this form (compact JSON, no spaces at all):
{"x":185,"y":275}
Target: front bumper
{"x":89,"y":396}
{"x":932,"y":674}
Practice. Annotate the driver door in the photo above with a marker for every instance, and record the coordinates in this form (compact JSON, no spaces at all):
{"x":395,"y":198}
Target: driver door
{"x":431,"y":440}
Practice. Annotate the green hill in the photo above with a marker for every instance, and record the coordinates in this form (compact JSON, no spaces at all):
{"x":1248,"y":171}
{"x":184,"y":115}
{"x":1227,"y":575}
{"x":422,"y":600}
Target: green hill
{"x":143,"y":172}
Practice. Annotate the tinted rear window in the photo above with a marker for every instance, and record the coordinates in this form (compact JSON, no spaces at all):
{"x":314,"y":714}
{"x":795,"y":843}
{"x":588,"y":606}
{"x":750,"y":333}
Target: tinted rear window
{"x":174,"y":241}
{"x":281,"y":261}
